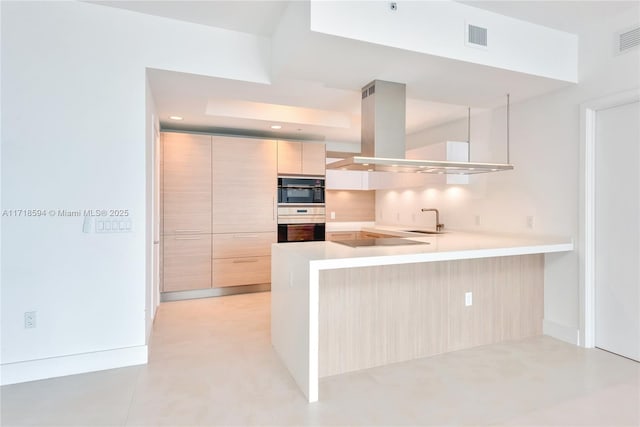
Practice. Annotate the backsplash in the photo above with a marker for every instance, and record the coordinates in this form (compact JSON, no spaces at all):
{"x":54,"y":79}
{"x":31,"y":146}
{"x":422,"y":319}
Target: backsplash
{"x":350,"y":205}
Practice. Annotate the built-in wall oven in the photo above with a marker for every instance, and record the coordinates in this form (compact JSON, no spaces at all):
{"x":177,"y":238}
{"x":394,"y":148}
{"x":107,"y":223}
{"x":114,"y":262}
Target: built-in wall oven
{"x":301,"y":209}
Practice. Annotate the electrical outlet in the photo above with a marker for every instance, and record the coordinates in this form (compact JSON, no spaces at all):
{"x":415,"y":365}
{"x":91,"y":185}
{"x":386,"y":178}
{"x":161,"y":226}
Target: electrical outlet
{"x":333,"y":215}
{"x":530,"y":222}
{"x":397,"y":216}
{"x":29,"y":319}
{"x":468,"y":299}
{"x":477,"y":220}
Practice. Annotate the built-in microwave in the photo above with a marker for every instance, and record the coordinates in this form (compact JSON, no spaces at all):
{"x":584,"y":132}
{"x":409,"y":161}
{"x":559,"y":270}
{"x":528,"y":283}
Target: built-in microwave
{"x":298,"y":190}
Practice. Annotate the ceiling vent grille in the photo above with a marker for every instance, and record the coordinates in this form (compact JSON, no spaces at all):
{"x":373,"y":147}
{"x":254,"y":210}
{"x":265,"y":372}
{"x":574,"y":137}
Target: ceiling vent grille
{"x":476,"y":36}
{"x":628,"y":40}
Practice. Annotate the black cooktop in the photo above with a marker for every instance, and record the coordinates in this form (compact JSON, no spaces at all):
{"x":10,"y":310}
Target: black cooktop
{"x":390,"y":241}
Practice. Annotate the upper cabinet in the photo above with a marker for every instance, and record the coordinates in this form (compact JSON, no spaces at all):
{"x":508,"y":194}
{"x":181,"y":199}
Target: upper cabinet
{"x":297,"y":158}
{"x":244,"y":185}
{"x":186,"y":183}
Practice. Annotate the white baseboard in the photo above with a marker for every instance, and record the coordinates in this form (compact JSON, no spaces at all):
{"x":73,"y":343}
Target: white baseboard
{"x":561,"y":332}
{"x":32,"y":370}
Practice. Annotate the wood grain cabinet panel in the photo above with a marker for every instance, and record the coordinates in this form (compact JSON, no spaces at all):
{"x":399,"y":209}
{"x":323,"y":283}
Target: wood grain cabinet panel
{"x":244,"y":185}
{"x":289,"y":158}
{"x":314,"y":159}
{"x":187,"y":262}
{"x":241,"y":271}
{"x":297,"y":158}
{"x":242,"y":244}
{"x":186,"y":183}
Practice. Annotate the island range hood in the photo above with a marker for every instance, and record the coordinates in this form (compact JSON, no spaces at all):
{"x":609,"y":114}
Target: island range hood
{"x":383,"y":138}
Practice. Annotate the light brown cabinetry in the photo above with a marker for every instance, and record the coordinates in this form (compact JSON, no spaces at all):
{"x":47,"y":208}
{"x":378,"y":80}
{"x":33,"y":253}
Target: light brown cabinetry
{"x":185,"y":212}
{"x":187,"y":262}
{"x":243,"y":244}
{"x":242,"y":258}
{"x":244,"y":185}
{"x":219,"y":205}
{"x":186,"y":183}
{"x":297,"y":158}
{"x":244,"y":210}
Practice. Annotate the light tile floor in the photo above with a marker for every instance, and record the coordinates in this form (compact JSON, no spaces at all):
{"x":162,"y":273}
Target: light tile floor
{"x":211,"y":363}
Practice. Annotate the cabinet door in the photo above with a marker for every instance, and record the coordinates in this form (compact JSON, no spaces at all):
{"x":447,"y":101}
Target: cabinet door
{"x":289,"y":158}
{"x":187,"y":262}
{"x":313,"y":159}
{"x":186,"y":183}
{"x":236,"y":245}
{"x":241,"y":271}
{"x":244,"y":185}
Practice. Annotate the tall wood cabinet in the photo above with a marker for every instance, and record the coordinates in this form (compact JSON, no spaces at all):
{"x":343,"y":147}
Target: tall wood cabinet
{"x":186,"y":211}
{"x":244,"y":210}
{"x":218,"y":212}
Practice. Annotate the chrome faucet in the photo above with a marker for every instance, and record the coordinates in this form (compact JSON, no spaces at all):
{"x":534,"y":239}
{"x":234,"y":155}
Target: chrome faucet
{"x":439,"y":226}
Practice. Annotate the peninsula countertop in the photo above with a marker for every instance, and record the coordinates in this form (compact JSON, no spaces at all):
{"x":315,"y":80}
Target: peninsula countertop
{"x":296,"y":283}
{"x":452,"y":245}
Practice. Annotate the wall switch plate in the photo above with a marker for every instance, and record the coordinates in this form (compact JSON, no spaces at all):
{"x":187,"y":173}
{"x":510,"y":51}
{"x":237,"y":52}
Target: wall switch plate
{"x":468,"y":299}
{"x":333,"y":215}
{"x":29,"y":319}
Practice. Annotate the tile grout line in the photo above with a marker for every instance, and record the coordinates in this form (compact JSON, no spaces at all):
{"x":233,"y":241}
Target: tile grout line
{"x":133,"y":394}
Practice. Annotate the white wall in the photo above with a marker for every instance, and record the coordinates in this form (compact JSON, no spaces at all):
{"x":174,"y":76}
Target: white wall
{"x":75,"y":135}
{"x":438,"y":28}
{"x":545,"y":148}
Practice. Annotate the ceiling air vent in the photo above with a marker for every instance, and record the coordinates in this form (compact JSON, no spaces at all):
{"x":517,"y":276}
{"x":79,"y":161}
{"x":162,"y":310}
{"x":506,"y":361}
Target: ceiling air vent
{"x":476,"y":36}
{"x":628,"y":39}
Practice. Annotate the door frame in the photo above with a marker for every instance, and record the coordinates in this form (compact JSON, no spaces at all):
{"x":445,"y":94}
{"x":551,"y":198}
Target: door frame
{"x":588,"y":115}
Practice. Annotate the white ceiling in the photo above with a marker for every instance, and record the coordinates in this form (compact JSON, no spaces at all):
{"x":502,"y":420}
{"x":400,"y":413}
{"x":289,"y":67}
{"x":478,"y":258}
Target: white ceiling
{"x":255,"y":17}
{"x":317,"y":95}
{"x":574,"y":16}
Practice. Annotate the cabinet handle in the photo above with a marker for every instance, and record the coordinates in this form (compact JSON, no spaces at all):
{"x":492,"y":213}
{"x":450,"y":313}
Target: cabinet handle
{"x":187,"y":231}
{"x":241,"y":261}
{"x":187,"y":238}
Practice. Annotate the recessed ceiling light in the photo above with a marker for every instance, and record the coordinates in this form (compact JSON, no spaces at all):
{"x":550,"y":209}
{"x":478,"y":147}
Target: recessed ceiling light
{"x":175,"y":117}
{"x":276,"y":127}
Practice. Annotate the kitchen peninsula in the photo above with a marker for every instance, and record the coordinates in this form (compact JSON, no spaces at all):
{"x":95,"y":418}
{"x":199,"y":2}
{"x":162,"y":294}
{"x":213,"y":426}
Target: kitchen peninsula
{"x":336,"y":309}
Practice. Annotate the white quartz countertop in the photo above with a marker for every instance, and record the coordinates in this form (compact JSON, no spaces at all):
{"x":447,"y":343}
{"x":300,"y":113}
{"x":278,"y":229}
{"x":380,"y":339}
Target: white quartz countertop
{"x":453,"y":245}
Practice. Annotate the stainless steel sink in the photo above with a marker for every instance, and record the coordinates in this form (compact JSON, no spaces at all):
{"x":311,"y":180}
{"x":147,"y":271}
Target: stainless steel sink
{"x":424,"y":231}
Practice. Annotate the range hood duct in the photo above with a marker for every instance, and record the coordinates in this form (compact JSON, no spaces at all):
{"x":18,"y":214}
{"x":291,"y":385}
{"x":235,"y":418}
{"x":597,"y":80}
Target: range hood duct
{"x":383,"y":138}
